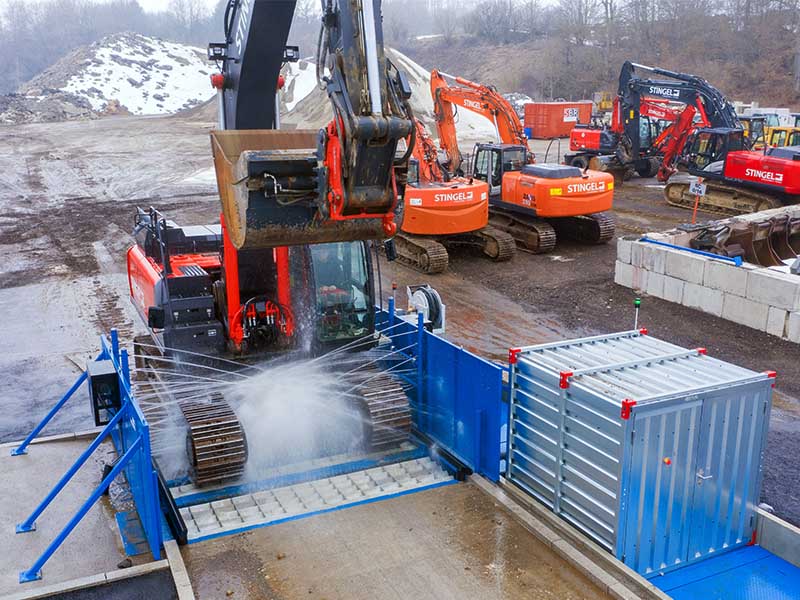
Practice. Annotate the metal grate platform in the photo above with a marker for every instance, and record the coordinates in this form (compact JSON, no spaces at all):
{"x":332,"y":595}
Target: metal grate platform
{"x":230,"y":515}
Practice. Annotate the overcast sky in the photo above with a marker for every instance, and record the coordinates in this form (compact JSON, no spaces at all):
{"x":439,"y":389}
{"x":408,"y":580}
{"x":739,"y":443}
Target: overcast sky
{"x":148,"y":5}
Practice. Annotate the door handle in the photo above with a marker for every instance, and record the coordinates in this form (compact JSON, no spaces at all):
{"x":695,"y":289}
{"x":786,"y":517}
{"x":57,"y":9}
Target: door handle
{"x":701,"y":478}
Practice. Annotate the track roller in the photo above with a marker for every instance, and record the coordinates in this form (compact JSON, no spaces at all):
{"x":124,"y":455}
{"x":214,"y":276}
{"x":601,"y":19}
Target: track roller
{"x":497,"y":244}
{"x":531,"y":234}
{"x":586,"y":229}
{"x":421,"y":253}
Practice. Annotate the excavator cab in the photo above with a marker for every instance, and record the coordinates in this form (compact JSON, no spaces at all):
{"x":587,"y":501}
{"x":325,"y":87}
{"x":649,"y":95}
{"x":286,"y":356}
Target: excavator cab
{"x":707,"y":148}
{"x":492,"y":161}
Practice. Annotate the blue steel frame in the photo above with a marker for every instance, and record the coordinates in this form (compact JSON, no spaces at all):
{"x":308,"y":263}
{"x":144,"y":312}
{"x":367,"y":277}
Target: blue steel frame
{"x":131,"y":436}
{"x":458,"y":397}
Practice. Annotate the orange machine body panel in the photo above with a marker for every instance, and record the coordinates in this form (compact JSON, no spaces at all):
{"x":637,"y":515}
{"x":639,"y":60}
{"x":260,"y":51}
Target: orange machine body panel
{"x":445,"y":208}
{"x":559,"y":197}
{"x":556,"y":119}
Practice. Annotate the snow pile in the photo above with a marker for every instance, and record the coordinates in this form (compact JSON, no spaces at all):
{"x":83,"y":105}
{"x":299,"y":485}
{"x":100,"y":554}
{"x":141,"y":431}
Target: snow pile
{"x":313,"y":110}
{"x":301,"y":79}
{"x":125,"y":73}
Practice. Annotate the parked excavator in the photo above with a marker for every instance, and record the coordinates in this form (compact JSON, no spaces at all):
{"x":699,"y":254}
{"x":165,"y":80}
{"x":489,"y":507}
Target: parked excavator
{"x":288,"y":267}
{"x":707,"y":141}
{"x":441,"y":211}
{"x":532,"y":202}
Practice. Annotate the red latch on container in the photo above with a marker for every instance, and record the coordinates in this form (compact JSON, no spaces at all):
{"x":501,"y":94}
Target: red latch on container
{"x":701,"y":350}
{"x":643,"y":331}
{"x":281,"y":82}
{"x":563,"y":381}
{"x":513,"y":353}
{"x":771,"y":375}
{"x":217,"y":81}
{"x":627,"y":405}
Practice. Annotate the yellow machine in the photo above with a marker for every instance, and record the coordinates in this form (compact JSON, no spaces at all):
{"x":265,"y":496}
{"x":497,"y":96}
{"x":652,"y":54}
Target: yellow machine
{"x":784,"y":136}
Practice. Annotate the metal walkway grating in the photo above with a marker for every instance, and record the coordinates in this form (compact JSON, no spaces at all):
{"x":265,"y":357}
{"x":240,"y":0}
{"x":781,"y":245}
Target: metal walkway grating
{"x":229,"y":515}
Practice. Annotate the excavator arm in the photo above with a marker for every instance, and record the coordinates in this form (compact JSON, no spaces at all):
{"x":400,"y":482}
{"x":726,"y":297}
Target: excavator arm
{"x":481,"y":99}
{"x":636,"y":96}
{"x":296,"y":187}
{"x":426,"y":153}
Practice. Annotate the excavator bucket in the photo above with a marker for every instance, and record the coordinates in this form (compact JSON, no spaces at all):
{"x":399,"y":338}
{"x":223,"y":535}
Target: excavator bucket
{"x":273,"y":191}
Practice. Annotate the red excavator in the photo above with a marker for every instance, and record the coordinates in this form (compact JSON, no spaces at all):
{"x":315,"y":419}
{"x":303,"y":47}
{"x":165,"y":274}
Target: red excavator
{"x":441,"y":211}
{"x":288,"y":266}
{"x":529,"y":201}
{"x":708,"y":142}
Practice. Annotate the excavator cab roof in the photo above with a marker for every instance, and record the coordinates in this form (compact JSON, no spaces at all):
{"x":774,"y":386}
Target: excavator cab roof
{"x":499,"y":146}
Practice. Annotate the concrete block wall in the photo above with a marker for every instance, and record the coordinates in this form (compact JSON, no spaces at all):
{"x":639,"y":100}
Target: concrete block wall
{"x":754,"y":296}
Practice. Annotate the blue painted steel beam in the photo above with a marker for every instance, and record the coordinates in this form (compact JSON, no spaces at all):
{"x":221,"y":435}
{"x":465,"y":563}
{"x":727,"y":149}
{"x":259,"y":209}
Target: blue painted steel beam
{"x":21,"y":449}
{"x":29,"y":524}
{"x":736,"y":260}
{"x":35,"y":572}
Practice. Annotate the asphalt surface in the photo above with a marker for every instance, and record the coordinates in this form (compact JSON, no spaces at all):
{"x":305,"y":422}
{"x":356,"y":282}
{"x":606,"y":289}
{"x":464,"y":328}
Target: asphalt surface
{"x":68,"y":192}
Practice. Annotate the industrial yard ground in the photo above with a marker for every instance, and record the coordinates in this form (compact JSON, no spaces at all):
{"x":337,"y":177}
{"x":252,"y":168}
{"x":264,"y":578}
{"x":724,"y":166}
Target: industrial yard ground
{"x":68,"y":192}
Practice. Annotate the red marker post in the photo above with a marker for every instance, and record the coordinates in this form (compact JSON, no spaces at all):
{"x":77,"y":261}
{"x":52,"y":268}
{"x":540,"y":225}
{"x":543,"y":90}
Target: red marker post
{"x":698,"y":189}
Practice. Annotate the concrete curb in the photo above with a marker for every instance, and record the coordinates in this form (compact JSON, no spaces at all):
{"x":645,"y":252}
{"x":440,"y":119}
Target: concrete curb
{"x":179,"y":573}
{"x":59,"y":437}
{"x":606,"y":572}
{"x":90,"y":581}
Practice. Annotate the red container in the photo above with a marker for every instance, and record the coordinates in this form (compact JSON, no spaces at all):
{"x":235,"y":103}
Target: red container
{"x":556,"y":119}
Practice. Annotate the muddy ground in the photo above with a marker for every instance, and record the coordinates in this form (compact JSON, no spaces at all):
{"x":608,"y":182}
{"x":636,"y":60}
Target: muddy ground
{"x":67,"y":197}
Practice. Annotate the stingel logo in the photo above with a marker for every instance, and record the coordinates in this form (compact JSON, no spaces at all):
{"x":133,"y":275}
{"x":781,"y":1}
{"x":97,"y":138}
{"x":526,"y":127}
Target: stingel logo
{"x":768,"y":176}
{"x":472,"y":104}
{"x":453,"y":197}
{"x":664,"y":91}
{"x":242,"y":24}
{"x":592,"y":186}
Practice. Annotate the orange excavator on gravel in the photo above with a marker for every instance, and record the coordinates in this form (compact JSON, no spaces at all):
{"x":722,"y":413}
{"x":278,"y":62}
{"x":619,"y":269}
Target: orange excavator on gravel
{"x":532,"y":202}
{"x":441,"y":211}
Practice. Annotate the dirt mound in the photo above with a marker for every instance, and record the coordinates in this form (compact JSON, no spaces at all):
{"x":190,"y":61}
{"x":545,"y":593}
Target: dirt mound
{"x":48,"y":106}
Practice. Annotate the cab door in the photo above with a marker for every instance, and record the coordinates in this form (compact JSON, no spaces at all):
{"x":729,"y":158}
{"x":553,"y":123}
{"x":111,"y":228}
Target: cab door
{"x":488,"y":167}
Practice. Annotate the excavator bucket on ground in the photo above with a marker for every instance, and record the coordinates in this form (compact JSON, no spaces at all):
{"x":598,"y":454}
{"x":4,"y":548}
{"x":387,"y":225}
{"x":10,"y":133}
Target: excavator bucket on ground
{"x":273,"y":189}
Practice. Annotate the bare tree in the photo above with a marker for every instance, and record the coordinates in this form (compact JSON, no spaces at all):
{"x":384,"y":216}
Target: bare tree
{"x":579,"y":17}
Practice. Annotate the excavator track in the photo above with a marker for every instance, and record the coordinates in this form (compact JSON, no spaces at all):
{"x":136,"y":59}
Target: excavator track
{"x":598,"y":228}
{"x":497,"y":244}
{"x":421,"y":253}
{"x":387,"y":409}
{"x":215,"y":440}
{"x":531,"y":234}
{"x":720,"y":198}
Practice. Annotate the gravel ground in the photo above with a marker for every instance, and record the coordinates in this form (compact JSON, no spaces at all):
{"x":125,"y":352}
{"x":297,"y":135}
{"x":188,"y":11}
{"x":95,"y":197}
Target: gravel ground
{"x":67,"y":197}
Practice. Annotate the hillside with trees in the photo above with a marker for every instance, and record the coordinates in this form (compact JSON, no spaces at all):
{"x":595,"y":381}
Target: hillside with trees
{"x":548,"y":49}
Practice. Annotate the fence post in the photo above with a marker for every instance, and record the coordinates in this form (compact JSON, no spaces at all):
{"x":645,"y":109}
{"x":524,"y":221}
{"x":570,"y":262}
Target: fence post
{"x":35,"y":572}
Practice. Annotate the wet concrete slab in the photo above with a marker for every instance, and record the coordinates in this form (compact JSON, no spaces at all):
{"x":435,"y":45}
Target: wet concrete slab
{"x":94,"y":547}
{"x":451,"y":542}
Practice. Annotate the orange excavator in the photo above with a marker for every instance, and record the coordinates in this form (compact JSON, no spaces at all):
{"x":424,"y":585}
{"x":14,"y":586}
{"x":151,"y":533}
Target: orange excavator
{"x":441,"y":211}
{"x":532,"y":202}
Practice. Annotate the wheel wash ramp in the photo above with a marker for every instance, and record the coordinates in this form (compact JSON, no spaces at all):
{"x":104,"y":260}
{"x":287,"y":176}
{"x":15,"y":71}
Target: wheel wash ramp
{"x":654,"y":452}
{"x":456,"y":409}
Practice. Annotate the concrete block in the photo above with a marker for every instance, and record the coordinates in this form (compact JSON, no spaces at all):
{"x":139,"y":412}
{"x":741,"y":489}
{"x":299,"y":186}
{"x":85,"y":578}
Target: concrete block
{"x":655,"y":284}
{"x":777,"y":319}
{"x":654,"y":258}
{"x":624,"y":250}
{"x":623,"y":274}
{"x":746,"y":312}
{"x":774,"y":288}
{"x":726,"y":277}
{"x":704,"y":298}
{"x":637,"y":253}
{"x":686,"y":266}
{"x":640,"y":277}
{"x":793,"y":327}
{"x":673,"y":289}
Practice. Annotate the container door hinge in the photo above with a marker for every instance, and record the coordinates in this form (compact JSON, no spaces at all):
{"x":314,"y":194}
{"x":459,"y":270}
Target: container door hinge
{"x":633,"y":435}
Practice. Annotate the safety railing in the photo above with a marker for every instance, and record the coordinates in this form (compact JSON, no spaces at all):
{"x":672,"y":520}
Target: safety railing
{"x":130,"y":434}
{"x":457,"y":398}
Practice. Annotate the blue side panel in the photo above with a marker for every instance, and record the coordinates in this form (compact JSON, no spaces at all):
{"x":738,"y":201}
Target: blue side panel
{"x":461,"y":403}
{"x":749,"y":573}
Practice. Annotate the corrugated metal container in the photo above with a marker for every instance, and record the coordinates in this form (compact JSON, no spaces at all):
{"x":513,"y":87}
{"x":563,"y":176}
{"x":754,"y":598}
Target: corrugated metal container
{"x":556,"y":119}
{"x":652,"y":450}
